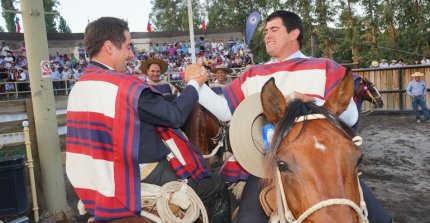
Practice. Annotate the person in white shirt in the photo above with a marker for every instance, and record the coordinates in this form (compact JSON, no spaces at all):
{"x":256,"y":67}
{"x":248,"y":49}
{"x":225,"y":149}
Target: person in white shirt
{"x":283,"y":40}
{"x":383,"y":63}
{"x":8,"y":61}
{"x":425,"y":60}
{"x":4,"y":49}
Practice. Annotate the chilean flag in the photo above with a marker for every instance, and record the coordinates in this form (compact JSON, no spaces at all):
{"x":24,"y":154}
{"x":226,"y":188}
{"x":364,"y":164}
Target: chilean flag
{"x":203,"y":25}
{"x":18,"y":27}
{"x":148,"y":27}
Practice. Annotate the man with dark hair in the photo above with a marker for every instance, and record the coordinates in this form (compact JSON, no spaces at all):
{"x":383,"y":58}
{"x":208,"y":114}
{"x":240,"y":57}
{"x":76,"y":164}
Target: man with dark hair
{"x":294,"y":72}
{"x":117,"y":125}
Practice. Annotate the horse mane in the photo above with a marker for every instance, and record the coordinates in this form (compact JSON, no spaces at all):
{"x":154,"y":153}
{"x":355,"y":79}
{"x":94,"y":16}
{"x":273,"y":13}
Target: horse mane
{"x":295,"y":109}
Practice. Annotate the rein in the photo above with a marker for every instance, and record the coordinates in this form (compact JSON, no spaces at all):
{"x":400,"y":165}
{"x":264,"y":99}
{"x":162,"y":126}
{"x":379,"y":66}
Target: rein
{"x":285,"y":214}
{"x":371,"y":97}
{"x":220,"y":138}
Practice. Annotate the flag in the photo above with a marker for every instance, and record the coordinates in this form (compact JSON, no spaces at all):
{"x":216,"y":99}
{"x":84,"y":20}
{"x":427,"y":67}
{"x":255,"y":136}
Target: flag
{"x":203,"y":25}
{"x":148,"y":27}
{"x":251,"y":24}
{"x":18,"y":27}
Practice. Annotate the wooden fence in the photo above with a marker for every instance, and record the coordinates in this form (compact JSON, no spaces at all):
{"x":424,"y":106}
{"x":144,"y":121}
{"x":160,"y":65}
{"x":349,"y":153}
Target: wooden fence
{"x":392,"y":84}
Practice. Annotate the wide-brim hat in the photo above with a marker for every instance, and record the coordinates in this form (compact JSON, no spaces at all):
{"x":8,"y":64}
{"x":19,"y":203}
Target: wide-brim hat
{"x":222,"y":67}
{"x":375,"y":63}
{"x":383,"y":60}
{"x":246,"y":135}
{"x":417,"y":74}
{"x":145,"y":65}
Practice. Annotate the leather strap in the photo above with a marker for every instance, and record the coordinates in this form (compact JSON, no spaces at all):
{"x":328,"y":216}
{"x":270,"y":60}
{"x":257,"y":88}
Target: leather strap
{"x":268,"y":200}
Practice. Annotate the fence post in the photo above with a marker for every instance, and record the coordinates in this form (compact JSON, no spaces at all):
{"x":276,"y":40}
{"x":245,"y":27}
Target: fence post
{"x":401,"y":89}
{"x":27,"y":141}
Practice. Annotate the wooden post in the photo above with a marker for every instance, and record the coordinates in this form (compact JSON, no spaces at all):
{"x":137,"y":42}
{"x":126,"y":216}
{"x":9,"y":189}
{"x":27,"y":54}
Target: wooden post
{"x":401,"y":95}
{"x":27,"y":141}
{"x":35,"y":151}
{"x":45,"y":119}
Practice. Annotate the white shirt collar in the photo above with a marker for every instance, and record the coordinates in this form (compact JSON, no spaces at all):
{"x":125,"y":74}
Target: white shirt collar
{"x":297,"y":54}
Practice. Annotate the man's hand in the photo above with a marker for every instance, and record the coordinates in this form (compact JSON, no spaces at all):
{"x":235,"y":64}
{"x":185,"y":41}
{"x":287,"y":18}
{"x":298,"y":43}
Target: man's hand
{"x":196,"y":72}
{"x":293,"y":95}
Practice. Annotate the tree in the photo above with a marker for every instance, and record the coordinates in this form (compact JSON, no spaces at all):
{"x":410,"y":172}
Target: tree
{"x":412,"y":23}
{"x":349,"y":24}
{"x":172,"y":15}
{"x":49,"y":6}
{"x":62,"y":26}
{"x":390,"y":29}
{"x":9,"y":17}
{"x":389,"y":34}
{"x":323,"y":15}
{"x":371,"y":20}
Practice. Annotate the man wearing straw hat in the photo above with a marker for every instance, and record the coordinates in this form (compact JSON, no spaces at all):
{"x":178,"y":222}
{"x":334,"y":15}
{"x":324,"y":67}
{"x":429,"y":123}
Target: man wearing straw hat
{"x":293,"y":72}
{"x":221,"y":73}
{"x":383,"y":63}
{"x":417,"y":90}
{"x":154,"y":68}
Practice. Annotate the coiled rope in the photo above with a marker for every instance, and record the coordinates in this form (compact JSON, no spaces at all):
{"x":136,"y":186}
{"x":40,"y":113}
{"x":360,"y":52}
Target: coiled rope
{"x":177,"y":193}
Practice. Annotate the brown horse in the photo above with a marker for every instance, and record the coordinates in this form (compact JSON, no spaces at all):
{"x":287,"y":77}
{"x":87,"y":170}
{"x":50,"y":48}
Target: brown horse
{"x":367,"y":91}
{"x":313,"y":158}
{"x":205,"y":131}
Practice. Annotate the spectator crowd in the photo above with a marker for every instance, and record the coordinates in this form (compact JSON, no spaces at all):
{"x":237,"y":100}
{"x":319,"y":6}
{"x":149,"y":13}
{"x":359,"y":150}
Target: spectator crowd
{"x":14,"y":67}
{"x":230,"y":53}
{"x":397,"y":63}
{"x":69,"y":67}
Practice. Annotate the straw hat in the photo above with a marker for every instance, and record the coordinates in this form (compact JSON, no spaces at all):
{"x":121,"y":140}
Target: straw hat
{"x":246,"y":135}
{"x":163,"y":65}
{"x":375,"y":63}
{"x":222,"y":67}
{"x":383,"y":60}
{"x":417,"y":74}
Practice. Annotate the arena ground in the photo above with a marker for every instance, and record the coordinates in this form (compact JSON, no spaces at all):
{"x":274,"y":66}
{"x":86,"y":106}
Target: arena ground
{"x":396,"y":164}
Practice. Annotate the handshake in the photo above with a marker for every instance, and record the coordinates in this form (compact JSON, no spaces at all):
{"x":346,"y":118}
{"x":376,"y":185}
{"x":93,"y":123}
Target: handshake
{"x":196,"y":72}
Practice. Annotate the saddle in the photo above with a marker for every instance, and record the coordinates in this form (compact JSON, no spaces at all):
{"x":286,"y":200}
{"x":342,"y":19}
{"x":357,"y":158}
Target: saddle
{"x":268,"y":200}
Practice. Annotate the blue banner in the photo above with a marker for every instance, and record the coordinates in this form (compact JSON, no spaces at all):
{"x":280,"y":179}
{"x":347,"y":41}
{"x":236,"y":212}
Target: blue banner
{"x":251,"y":24}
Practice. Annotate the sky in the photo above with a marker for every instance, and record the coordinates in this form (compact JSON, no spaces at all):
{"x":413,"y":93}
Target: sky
{"x":78,"y":12}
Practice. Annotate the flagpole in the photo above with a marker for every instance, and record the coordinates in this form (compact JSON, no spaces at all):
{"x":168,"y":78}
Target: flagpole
{"x":190,"y":23}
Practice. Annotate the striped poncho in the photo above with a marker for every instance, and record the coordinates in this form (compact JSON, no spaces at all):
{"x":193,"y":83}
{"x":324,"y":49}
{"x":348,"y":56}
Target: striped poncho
{"x":312,"y":76}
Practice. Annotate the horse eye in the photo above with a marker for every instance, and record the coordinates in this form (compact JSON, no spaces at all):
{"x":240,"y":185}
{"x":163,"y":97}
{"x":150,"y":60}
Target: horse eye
{"x":282,"y":166}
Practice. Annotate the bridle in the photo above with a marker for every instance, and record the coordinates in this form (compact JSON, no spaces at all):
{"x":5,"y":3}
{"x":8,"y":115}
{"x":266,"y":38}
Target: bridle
{"x":367,"y":91}
{"x":284,"y":212}
{"x":220,"y":140}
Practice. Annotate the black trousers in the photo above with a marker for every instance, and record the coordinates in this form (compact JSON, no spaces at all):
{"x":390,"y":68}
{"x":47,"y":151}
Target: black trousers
{"x":251,"y":211}
{"x":212,"y":191}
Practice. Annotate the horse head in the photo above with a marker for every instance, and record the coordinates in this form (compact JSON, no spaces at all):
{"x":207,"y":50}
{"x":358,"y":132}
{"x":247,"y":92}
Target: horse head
{"x":366,"y":90}
{"x":312,"y":158}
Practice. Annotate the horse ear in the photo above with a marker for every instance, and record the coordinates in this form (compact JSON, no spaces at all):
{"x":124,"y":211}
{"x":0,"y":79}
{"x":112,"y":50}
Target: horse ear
{"x":273,"y":101}
{"x":339,"y":100}
{"x":365,"y":79}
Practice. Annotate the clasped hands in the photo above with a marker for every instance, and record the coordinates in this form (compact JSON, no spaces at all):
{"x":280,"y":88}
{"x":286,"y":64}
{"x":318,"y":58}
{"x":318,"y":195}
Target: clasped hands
{"x":196,"y":72}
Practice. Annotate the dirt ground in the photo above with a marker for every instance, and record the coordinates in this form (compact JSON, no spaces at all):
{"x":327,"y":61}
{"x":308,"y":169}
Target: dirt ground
{"x":396,"y":166}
